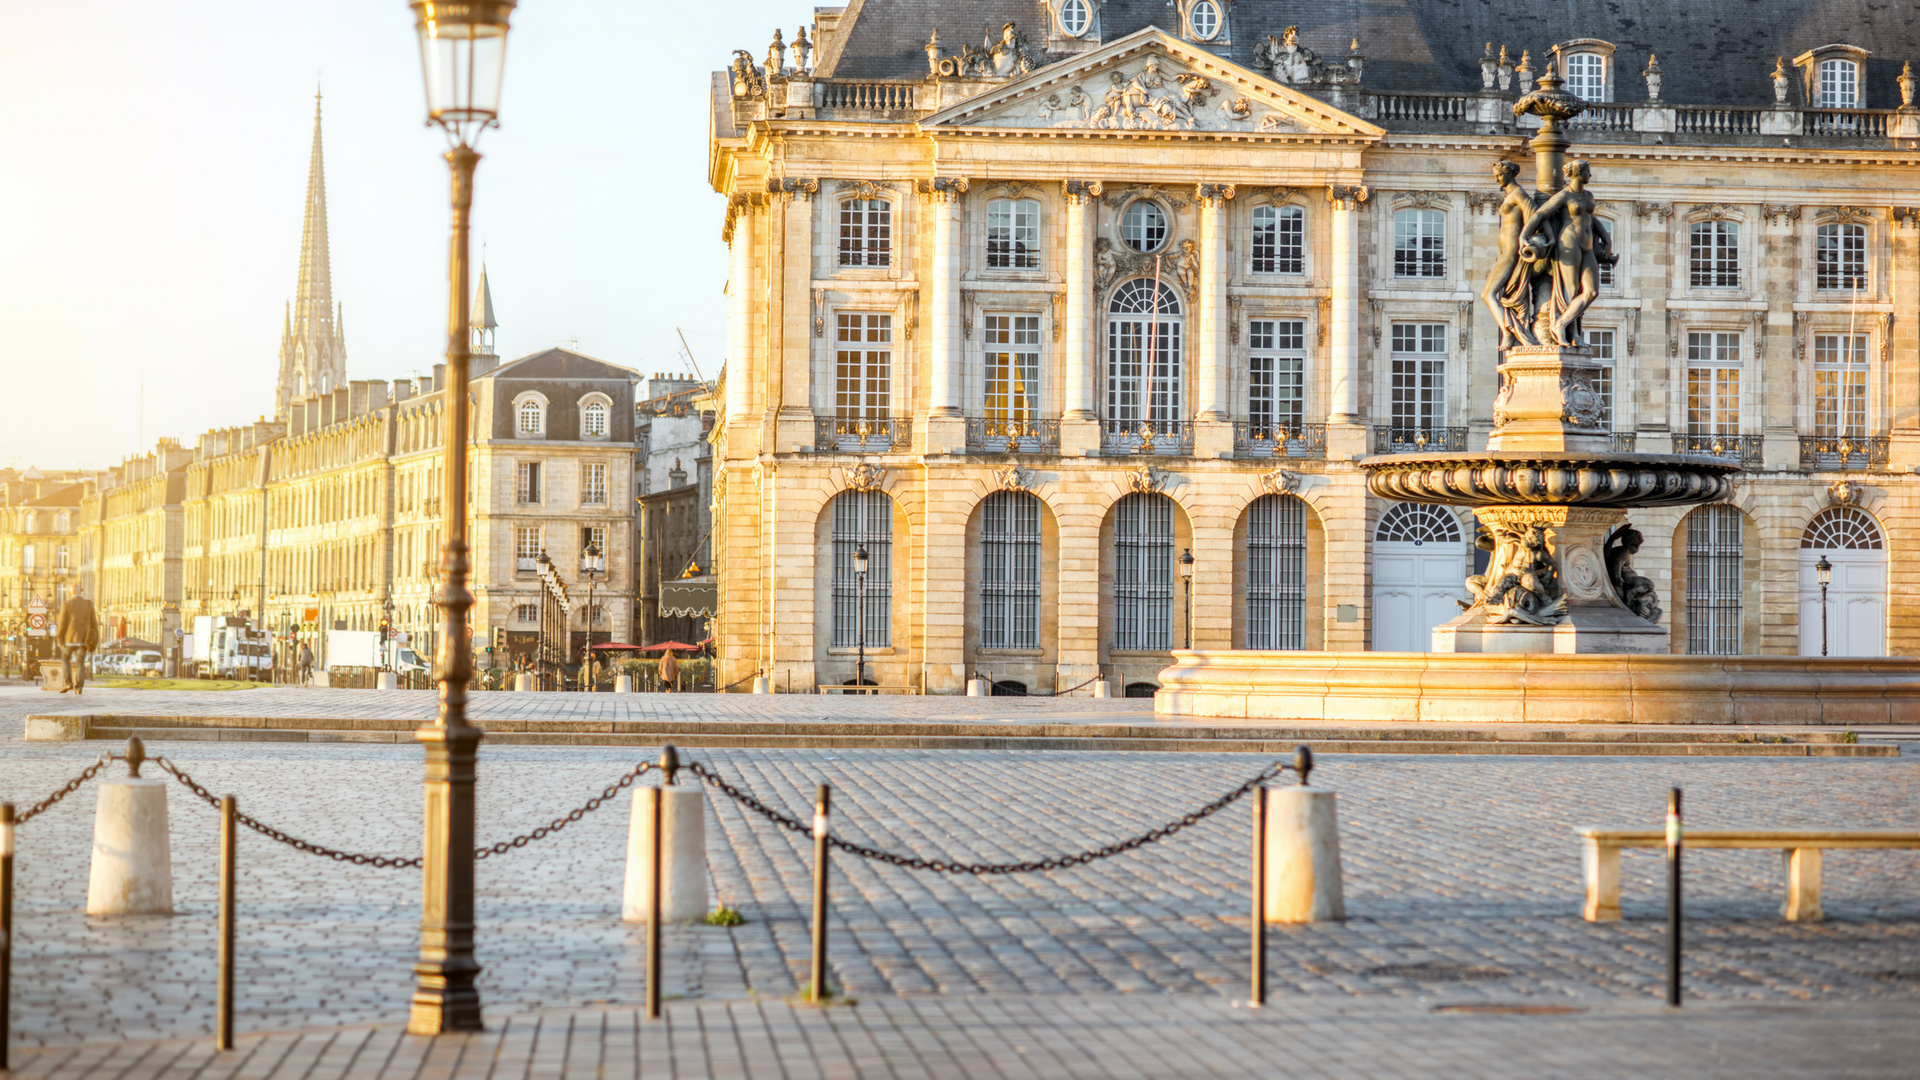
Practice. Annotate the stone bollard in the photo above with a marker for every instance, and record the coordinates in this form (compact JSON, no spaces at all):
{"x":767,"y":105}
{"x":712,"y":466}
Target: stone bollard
{"x":683,"y":858}
{"x":1303,"y":857}
{"x":523,"y":682}
{"x":388,"y":681}
{"x":1102,"y":689}
{"x":978,"y":688}
{"x":132,"y":870}
{"x":623,"y":684}
{"x":761,"y":685}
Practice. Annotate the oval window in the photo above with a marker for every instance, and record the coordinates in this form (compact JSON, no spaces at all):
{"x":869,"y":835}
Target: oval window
{"x":1205,"y":20}
{"x":1144,"y":227}
{"x":1074,"y":17}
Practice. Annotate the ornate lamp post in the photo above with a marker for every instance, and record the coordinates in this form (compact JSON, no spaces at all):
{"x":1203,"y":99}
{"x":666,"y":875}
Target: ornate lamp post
{"x":591,"y":563}
{"x":463,"y":46}
{"x":1186,"y":578}
{"x":860,"y":575}
{"x":1824,"y":570}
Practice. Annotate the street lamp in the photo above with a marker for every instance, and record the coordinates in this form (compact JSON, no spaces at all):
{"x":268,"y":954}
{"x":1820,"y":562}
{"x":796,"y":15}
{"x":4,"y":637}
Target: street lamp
{"x":463,"y":46}
{"x":591,"y":563}
{"x":860,"y":575}
{"x":1186,"y":577}
{"x":1824,"y":570}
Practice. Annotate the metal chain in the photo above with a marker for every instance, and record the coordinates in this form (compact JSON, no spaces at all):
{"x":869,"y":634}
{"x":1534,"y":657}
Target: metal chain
{"x":572,"y":816}
{"x":381,"y":862}
{"x":1056,"y":862}
{"x":72,"y":786}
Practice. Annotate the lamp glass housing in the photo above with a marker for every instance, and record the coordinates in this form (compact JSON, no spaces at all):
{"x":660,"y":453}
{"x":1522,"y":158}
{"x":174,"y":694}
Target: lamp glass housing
{"x":860,"y":560}
{"x":463,"y":56}
{"x":591,"y":561}
{"x":1186,"y":563}
{"x":1824,"y":569}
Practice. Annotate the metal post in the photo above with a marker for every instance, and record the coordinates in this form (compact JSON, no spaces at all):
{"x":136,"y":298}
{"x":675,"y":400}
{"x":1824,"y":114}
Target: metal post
{"x":860,"y":666}
{"x":1823,"y":618}
{"x":6,"y":930}
{"x":821,"y":806}
{"x":658,"y":796}
{"x":1673,"y":897}
{"x":445,"y":997}
{"x":223,"y":998}
{"x":1186,"y":622}
{"x":1257,"y":994}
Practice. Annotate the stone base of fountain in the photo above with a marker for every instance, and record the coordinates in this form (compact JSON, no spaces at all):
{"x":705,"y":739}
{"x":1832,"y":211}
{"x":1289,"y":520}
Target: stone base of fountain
{"x":1582,"y":630}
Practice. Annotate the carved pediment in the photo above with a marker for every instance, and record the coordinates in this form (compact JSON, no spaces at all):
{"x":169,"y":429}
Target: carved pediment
{"x":1148,"y":81}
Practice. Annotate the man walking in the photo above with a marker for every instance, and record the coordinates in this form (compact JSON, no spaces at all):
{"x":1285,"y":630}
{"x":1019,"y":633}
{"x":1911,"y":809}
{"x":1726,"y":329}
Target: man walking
{"x":79,"y":634}
{"x":306,"y":664}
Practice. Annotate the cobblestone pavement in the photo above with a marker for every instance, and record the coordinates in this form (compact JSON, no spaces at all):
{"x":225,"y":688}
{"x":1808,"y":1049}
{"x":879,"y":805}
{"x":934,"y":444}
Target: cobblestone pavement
{"x":1133,"y":1038}
{"x":1464,"y":863}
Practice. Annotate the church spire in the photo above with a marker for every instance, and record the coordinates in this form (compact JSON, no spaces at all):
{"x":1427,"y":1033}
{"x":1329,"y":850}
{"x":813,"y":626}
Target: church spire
{"x":313,"y":354}
{"x":481,"y":320}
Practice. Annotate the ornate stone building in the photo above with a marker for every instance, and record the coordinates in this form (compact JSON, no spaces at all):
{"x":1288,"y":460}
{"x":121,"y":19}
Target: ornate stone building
{"x":1031,"y":321}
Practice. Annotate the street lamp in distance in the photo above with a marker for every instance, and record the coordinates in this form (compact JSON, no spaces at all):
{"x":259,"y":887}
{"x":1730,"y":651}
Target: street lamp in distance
{"x":592,"y":563}
{"x":1824,"y":571}
{"x":463,"y":45}
{"x":1186,"y":577}
{"x":860,"y":576}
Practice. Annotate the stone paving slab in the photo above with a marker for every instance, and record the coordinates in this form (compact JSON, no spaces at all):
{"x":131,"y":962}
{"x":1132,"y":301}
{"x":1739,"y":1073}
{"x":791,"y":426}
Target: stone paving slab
{"x":1002,"y":1038}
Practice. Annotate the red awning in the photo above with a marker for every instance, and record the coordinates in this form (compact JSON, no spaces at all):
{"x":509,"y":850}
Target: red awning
{"x":677,"y":646}
{"x":618,"y":646}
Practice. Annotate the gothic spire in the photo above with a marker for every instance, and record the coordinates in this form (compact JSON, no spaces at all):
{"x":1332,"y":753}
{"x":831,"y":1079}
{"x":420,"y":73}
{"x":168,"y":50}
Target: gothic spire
{"x":313,"y":355}
{"x":481,"y":319}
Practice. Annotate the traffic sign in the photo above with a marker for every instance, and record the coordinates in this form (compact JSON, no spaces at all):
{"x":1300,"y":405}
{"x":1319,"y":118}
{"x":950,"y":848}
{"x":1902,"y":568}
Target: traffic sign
{"x":37,"y":624}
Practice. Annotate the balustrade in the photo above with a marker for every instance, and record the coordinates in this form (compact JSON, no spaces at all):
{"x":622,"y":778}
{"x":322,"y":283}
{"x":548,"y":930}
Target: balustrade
{"x":1828,"y":453}
{"x":1742,"y":450}
{"x":1146,"y":437}
{"x":1408,"y":440}
{"x":860,"y":435}
{"x":1001,"y":436}
{"x":1259,"y":439}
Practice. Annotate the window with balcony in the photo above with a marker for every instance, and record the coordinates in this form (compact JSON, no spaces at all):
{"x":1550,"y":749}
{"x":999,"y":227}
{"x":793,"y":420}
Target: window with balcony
{"x":1142,"y":387}
{"x":1276,"y":374}
{"x":1010,"y":571}
{"x":1279,"y":240}
{"x":1012,"y":367}
{"x":1420,"y":244}
{"x":526,"y":484}
{"x":593,"y":483}
{"x":1713,"y":254}
{"x":1840,"y":257}
{"x":1840,"y":385}
{"x":1013,"y":234}
{"x":1419,"y":373}
{"x":1713,"y":383}
{"x":866,"y":232}
{"x":863,"y":365}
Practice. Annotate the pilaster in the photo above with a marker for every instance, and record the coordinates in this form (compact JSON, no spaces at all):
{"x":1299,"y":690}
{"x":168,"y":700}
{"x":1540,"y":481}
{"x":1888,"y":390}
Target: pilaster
{"x":1211,"y":377}
{"x":1076,"y":361}
{"x":1900,"y":355}
{"x":945,"y":312}
{"x":1343,"y":353}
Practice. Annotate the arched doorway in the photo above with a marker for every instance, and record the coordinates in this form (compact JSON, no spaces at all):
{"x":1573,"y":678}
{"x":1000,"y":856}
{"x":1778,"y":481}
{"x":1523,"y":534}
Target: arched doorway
{"x":1419,"y":570}
{"x":1856,"y":601}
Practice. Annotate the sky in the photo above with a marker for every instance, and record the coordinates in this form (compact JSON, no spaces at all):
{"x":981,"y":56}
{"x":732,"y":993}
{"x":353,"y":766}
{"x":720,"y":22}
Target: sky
{"x":154,"y":164}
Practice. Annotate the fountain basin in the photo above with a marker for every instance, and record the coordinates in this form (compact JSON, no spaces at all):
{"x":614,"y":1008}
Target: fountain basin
{"x":1531,"y":478}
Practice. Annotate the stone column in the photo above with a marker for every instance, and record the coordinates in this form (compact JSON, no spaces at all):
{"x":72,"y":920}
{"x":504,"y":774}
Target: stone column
{"x":1076,"y":363}
{"x":1343,"y":353}
{"x":942,"y":196}
{"x":1211,"y":378}
{"x":740,"y":305}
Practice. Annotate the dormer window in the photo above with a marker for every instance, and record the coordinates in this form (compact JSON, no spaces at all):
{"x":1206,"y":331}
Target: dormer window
{"x":1833,"y":76}
{"x":1586,"y":66}
{"x":1076,"y":17}
{"x":1204,"y":20}
{"x":1839,"y":84}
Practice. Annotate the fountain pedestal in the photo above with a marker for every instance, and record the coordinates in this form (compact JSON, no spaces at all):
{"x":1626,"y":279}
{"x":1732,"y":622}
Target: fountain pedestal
{"x":1547,"y":402}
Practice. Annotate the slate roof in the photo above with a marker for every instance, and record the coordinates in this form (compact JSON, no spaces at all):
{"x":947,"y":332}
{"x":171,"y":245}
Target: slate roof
{"x":1711,"y":51}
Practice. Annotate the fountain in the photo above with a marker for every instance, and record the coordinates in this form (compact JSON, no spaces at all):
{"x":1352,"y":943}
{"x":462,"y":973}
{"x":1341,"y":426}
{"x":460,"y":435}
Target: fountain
{"x":1560,"y":627}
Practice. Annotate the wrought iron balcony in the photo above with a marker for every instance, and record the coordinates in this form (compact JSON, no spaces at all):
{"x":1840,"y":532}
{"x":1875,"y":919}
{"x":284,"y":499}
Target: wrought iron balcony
{"x":1623,"y":442}
{"x":1158,"y":437}
{"x":996,"y":436}
{"x":1259,"y":439}
{"x":1742,"y":450}
{"x":1409,"y":440}
{"x":1827,"y":453}
{"x":863,"y":435}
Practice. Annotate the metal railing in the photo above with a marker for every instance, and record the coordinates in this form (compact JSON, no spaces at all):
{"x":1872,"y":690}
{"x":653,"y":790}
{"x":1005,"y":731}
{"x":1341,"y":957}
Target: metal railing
{"x":1710,"y":120}
{"x":870,"y":96}
{"x":1743,"y":450}
{"x":1407,"y":440}
{"x":864,"y":435}
{"x":1623,"y":442}
{"x":997,"y":436}
{"x":1146,"y":437}
{"x":1828,"y":453}
{"x":1259,"y":439}
{"x":1455,"y":107}
{"x":1853,"y":123}
{"x":1604,"y":117}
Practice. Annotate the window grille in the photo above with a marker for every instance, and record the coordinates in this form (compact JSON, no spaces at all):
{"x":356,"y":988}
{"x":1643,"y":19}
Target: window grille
{"x":1587,"y":76}
{"x":1419,"y":375}
{"x":1276,"y":373}
{"x":1840,"y":257}
{"x":594,"y":420}
{"x":1839,"y":84}
{"x":866,"y":232}
{"x":862,"y":385}
{"x":1143,"y":573}
{"x":1713,"y":259}
{"x":1417,"y":524}
{"x":1012,"y":367}
{"x":1013,"y":234}
{"x":533,"y":420}
{"x":862,"y":517}
{"x":1713,"y":581}
{"x":1842,"y":528}
{"x":527,"y":482}
{"x":1420,"y":244}
{"x":1010,"y":571}
{"x":1601,"y":342}
{"x":1277,"y":573}
{"x":1713,"y":384}
{"x":1139,"y":387}
{"x":1840,"y":385}
{"x":593,"y":483}
{"x":1143,"y":226}
{"x":527,"y":546}
{"x":1279,"y":240}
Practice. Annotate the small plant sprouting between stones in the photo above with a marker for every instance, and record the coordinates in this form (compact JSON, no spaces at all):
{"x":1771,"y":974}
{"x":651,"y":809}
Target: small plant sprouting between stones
{"x":1849,"y":736}
{"x":724,"y":916}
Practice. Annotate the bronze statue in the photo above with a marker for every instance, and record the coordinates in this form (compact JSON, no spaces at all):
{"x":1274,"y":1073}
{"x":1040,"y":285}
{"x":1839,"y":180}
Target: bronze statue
{"x":1564,"y":239}
{"x":1509,"y":292}
{"x":1635,"y":590}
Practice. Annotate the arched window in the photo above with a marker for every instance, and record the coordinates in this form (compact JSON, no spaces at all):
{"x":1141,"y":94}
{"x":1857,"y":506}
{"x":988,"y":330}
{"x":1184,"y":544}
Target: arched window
{"x":1420,"y":244}
{"x":1279,"y":240}
{"x":1075,"y":17}
{"x":1840,"y":257}
{"x":1010,"y":571}
{"x":1417,"y":524}
{"x":593,"y":420}
{"x":1276,"y":594}
{"x":1715,"y":550}
{"x":1842,"y":528}
{"x":533,"y":418}
{"x":1144,"y":226}
{"x":1142,"y":387}
{"x":866,"y":232}
{"x":1143,"y":572}
{"x":862,"y":519}
{"x":1587,"y":76}
{"x":1203,"y":20}
{"x":33,"y":523}
{"x":1013,"y":234}
{"x":1839,"y":84}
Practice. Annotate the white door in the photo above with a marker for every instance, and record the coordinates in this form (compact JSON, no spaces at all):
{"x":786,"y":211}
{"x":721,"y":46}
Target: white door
{"x":1419,"y":569}
{"x":1857,"y":594}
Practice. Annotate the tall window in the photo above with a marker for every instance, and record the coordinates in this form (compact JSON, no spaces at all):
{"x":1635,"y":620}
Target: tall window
{"x":594,"y":536}
{"x":593,"y":420}
{"x":866,"y":232}
{"x":593,"y":483}
{"x":1013,"y":367}
{"x":62,"y":522}
{"x":526,"y":487}
{"x":60,"y":558}
{"x":1840,"y":385}
{"x":527,"y":546}
{"x":1713,"y":581}
{"x":1587,"y":76}
{"x":1601,"y":342}
{"x":1139,"y":386}
{"x":1420,"y":244}
{"x":1279,"y":240}
{"x":1277,"y":573}
{"x":1013,"y":234}
{"x":26,"y":558}
{"x":526,"y":613}
{"x":862,"y":518}
{"x":1840,"y":257}
{"x":533,"y":418}
{"x":1010,"y":571}
{"x":1713,"y":384}
{"x":1604,"y":271}
{"x":1276,"y":374}
{"x":1713,"y":254}
{"x":1839,"y":84}
{"x":1143,"y":572}
{"x":863,"y":364}
{"x":1419,"y":375}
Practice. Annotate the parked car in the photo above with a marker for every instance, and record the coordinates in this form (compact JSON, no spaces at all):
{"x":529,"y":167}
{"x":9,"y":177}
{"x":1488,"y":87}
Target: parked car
{"x":146,"y":662}
{"x":109,"y":663}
